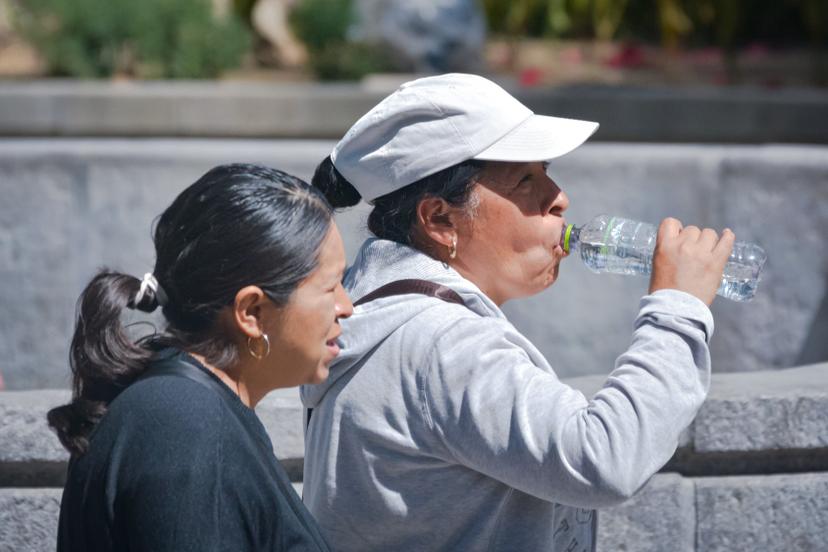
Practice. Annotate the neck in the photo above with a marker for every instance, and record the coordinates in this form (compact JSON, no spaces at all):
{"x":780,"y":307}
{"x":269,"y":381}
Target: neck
{"x":488,"y":290}
{"x":234,"y":379}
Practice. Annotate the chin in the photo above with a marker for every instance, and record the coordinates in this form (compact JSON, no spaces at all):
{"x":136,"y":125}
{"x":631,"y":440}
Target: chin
{"x":319,"y":375}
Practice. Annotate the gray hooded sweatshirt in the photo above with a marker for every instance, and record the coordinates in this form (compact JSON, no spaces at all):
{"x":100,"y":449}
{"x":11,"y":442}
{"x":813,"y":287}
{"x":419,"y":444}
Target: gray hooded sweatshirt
{"x":441,"y":427}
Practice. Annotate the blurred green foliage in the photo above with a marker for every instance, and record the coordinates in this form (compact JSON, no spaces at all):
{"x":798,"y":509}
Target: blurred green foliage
{"x":349,"y":61}
{"x":319,"y":23}
{"x":148,"y":39}
{"x":673,"y":23}
{"x":322,"y":25}
{"x":244,"y":9}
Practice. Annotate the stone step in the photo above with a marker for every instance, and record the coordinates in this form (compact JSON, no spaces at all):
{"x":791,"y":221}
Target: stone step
{"x":675,"y":513}
{"x":32,"y":455}
{"x":759,"y":422}
{"x":720,"y":514}
{"x":29,"y":519}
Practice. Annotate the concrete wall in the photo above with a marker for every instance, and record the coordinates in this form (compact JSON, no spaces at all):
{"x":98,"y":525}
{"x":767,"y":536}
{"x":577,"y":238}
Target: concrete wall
{"x":313,"y":110}
{"x":69,"y":206}
{"x":750,"y":474}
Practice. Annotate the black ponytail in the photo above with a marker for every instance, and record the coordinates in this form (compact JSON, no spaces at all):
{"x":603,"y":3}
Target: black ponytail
{"x":103,"y":357}
{"x":337,"y":190}
{"x":238,"y":225}
{"x":394,"y":215}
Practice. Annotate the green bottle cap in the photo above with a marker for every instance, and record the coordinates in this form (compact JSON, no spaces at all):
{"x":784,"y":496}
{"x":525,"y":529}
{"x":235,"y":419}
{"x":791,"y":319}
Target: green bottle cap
{"x":567,"y":234}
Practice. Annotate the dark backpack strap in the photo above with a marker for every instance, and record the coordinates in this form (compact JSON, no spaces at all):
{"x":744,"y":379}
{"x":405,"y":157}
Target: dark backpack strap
{"x":404,"y":287}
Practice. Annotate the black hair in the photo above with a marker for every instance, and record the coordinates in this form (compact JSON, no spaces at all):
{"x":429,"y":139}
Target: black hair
{"x":238,"y":225}
{"x":394,"y":215}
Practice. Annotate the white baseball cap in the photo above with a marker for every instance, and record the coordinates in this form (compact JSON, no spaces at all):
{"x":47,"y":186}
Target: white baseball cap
{"x":433,"y":123}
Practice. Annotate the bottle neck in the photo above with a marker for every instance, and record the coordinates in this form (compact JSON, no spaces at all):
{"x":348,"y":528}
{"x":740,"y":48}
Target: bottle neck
{"x":570,"y":236}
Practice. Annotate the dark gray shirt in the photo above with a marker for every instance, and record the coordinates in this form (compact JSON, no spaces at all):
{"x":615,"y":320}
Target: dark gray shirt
{"x":180,"y":463}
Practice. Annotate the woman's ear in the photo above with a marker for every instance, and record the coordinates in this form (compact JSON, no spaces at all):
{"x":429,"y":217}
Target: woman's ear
{"x":436,"y":219}
{"x":248,"y":311}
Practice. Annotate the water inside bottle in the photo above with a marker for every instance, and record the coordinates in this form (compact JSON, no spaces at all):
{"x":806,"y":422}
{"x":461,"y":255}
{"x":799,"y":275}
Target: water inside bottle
{"x":616,"y":260}
{"x":739,"y":281}
{"x":742,"y":289}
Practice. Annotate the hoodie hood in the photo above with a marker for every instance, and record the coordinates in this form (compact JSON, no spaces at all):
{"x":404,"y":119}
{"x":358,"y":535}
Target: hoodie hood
{"x":381,"y":262}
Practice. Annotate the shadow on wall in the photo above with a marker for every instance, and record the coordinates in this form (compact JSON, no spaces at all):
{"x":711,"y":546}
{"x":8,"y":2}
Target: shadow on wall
{"x":815,"y":346}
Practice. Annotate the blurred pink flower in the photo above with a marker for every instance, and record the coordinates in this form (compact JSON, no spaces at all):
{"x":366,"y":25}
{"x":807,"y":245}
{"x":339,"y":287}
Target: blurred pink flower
{"x":572,"y":55}
{"x":531,"y":76}
{"x":627,"y":56}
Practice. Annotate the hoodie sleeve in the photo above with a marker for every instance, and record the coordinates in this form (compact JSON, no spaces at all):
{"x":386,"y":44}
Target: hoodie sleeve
{"x":499,"y":413}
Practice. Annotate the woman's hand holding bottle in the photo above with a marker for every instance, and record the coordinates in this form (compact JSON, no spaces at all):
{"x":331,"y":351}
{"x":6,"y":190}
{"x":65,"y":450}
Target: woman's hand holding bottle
{"x":690,"y":259}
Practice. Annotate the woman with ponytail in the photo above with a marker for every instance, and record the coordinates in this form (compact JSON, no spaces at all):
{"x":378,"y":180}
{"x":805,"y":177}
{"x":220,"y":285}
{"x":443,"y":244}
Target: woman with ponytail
{"x":167,"y":453}
{"x":474,"y":443}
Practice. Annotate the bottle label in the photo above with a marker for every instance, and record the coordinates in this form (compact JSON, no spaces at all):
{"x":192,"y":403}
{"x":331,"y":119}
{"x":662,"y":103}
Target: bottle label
{"x":607,"y":236}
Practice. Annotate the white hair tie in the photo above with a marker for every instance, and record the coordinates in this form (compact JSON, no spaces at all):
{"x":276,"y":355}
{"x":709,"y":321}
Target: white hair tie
{"x":149,"y":281}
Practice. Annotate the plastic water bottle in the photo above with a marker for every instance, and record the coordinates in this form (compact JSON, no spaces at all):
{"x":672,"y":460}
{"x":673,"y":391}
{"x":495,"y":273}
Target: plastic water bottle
{"x":623,"y":246}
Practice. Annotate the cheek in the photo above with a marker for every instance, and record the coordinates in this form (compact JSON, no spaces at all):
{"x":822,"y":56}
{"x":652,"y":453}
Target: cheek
{"x":527,"y":237}
{"x":534,"y":261}
{"x":503,"y":230}
{"x":318,"y":321}
{"x":306,"y":329}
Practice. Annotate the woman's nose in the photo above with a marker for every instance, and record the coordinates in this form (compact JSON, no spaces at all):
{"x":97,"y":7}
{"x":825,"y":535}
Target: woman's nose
{"x":560,"y":201}
{"x":343,"y":305}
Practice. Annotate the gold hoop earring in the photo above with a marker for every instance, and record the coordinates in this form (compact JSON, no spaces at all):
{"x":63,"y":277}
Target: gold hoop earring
{"x":453,"y":247}
{"x":253,"y":353}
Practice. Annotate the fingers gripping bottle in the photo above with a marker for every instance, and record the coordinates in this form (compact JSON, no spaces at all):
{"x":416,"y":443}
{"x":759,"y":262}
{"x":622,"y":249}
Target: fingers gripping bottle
{"x":622,"y":246}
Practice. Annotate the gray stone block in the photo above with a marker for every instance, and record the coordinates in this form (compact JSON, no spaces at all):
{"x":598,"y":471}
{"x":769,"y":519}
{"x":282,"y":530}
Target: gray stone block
{"x":74,"y":205}
{"x":302,"y":110}
{"x":660,"y":517}
{"x":690,"y":114}
{"x":88,"y":108}
{"x":29,"y":519}
{"x":71,"y":207}
{"x":777,"y":196}
{"x":32,"y":455}
{"x":24,"y":431}
{"x":758,"y":422}
{"x":773,"y":512}
{"x":767,"y":410}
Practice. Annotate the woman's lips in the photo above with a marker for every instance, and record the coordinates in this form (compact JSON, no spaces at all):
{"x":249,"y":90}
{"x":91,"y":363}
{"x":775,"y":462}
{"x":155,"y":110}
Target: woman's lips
{"x":560,"y":251}
{"x":333,"y":347}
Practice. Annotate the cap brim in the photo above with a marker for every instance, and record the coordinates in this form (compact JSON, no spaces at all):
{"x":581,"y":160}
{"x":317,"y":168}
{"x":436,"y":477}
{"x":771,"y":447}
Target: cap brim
{"x":539,"y":138}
